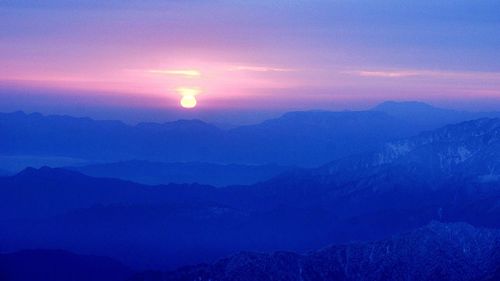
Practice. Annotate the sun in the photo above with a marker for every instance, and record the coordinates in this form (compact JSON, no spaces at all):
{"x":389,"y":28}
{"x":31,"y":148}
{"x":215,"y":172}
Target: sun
{"x":188,"y":101}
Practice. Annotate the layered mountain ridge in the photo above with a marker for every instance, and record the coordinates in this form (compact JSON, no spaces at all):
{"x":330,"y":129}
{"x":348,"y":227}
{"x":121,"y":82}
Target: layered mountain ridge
{"x":307,"y":138}
{"x":354,"y":198}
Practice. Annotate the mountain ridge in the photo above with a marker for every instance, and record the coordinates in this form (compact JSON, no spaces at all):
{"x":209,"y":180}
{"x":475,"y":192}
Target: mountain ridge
{"x":434,"y":252}
{"x":152,"y":173}
{"x":302,"y":138}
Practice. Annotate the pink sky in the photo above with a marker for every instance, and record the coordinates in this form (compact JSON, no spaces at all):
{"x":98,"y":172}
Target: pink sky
{"x":262,"y":55}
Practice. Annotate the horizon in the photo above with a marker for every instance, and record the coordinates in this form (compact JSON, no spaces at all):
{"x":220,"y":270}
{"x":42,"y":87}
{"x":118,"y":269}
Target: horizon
{"x":243,"y":119}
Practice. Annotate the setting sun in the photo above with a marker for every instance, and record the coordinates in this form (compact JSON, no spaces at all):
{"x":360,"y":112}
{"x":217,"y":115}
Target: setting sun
{"x":188,"y":101}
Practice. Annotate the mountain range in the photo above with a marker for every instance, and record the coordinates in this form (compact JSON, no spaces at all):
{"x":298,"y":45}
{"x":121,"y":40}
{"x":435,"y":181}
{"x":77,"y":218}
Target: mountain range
{"x":427,"y":116}
{"x":448,"y":174}
{"x":307,"y":138}
{"x":148,"y":172}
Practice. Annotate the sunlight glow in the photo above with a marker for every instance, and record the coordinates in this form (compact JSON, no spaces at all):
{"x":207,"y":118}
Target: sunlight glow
{"x":187,"y":91}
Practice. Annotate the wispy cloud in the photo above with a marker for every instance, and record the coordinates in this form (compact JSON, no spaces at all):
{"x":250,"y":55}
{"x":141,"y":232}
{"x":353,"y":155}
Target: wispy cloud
{"x":179,"y":72}
{"x":423,"y":73}
{"x":383,"y":74}
{"x":260,"y":68}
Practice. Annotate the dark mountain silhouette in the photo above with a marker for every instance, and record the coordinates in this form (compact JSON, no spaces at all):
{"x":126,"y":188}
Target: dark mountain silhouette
{"x":34,"y":134}
{"x":435,"y":252}
{"x":447,"y":174}
{"x":148,"y":172}
{"x":428,"y":117}
{"x":306,"y":138}
{"x":458,"y":161}
{"x":160,"y":225}
{"x":315,"y":137}
{"x":58,"y":265}
{"x":44,"y":192}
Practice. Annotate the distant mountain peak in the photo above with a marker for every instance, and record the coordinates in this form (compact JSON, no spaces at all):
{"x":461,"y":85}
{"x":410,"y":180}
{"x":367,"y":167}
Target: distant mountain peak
{"x":46,"y":172}
{"x":186,"y":124}
{"x":402,"y":105}
{"x":425,"y":116}
{"x":323,"y":113}
{"x":27,"y":172}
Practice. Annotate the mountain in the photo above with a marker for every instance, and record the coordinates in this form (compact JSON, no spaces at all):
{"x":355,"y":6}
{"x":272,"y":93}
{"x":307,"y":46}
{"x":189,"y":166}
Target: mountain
{"x":302,"y":138}
{"x":468,"y":150}
{"x":435,"y":252}
{"x":141,"y":225}
{"x":148,"y":172}
{"x":58,"y":265}
{"x":45,"y":192}
{"x":310,"y":138}
{"x":296,"y":138}
{"x":428,"y":117}
{"x":84,"y":138}
{"x":448,"y":174}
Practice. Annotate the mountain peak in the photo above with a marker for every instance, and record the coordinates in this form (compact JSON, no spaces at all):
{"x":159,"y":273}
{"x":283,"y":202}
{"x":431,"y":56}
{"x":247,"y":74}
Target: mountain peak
{"x":46,"y":172}
{"x":403,"y":105}
{"x":181,"y":124}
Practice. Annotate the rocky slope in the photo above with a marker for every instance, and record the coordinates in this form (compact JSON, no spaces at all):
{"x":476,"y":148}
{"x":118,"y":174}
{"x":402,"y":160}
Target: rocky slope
{"x":435,"y":252}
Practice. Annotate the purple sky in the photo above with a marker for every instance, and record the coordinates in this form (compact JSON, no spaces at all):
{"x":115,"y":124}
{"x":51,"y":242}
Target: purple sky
{"x":113,"y":58}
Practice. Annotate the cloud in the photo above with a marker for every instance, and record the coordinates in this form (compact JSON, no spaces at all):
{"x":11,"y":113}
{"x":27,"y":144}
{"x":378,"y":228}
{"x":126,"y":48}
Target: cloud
{"x":180,"y":72}
{"x":260,"y":68}
{"x":384,"y":74}
{"x":424,"y":73}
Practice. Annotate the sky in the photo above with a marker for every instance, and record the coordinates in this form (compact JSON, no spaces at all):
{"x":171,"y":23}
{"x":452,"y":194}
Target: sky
{"x":245,"y":60}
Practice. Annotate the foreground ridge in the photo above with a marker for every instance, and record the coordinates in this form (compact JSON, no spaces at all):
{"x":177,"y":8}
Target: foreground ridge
{"x":438,"y":251}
